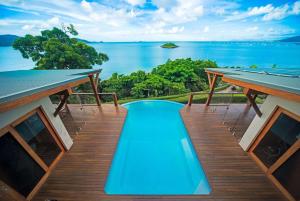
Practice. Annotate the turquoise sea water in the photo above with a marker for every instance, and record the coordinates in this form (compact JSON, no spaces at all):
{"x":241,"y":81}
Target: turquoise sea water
{"x":154,"y":155}
{"x":126,"y":57}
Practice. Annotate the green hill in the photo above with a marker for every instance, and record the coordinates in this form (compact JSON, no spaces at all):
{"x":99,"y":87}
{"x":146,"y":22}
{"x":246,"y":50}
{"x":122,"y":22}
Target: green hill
{"x":291,"y":39}
{"x":7,"y":39}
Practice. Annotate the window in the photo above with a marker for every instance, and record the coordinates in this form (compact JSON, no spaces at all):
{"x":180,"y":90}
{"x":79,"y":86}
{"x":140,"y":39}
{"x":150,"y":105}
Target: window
{"x":279,"y":138}
{"x":17,"y":168}
{"x":276,"y":150}
{"x":35,"y":133}
{"x":288,"y":175}
{"x":29,"y":148}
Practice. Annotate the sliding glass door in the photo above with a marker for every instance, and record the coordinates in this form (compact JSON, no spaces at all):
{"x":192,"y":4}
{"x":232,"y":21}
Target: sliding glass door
{"x":276,"y":150}
{"x":29,"y":148}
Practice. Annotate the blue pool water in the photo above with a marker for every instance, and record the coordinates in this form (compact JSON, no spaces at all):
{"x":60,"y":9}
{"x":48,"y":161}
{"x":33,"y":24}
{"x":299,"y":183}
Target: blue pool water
{"x":154,"y":155}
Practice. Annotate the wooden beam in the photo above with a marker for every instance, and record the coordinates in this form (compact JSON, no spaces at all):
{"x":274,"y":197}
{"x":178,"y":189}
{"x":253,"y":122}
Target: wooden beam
{"x":248,"y":93}
{"x":95,"y":89}
{"x":209,"y":78}
{"x":212,"y":88}
{"x":63,"y":100}
{"x":97,"y":80}
{"x":214,"y":73}
{"x":264,"y":89}
{"x":254,"y":96}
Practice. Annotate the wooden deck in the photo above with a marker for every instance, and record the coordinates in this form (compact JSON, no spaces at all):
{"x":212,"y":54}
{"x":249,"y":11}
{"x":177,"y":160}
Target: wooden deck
{"x":81,"y":174}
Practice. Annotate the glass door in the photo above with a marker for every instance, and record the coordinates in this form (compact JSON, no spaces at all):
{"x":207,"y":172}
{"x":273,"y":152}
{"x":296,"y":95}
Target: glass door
{"x":276,"y":150}
{"x":29,"y":148}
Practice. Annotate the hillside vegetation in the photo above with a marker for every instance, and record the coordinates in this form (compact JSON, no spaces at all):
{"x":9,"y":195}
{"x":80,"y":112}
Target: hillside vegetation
{"x":174,"y":77}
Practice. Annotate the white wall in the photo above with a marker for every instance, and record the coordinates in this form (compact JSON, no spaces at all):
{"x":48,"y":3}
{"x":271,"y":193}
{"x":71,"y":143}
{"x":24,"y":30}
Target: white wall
{"x":258,"y":122}
{"x":8,"y":117}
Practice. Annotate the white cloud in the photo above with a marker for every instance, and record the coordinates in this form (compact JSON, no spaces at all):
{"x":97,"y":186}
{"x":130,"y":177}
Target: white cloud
{"x":164,"y":3}
{"x":54,"y":21}
{"x":260,"y":10}
{"x":127,"y":20}
{"x":28,"y":27}
{"x":181,"y":12}
{"x":252,"y":29}
{"x":268,"y":12}
{"x":296,"y":8}
{"x":206,"y":29}
{"x":175,"y":30}
{"x":277,"y":13}
{"x":172,"y":30}
{"x":86,"y":6}
{"x":220,"y":11}
{"x":136,"y":2}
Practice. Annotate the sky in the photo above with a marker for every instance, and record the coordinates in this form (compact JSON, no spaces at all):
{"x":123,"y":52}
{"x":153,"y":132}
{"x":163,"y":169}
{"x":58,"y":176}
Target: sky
{"x":155,"y":20}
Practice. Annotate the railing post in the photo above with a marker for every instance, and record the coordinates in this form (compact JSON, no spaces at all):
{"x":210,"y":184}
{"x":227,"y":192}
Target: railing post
{"x":190,"y":99}
{"x":95,"y":90}
{"x":115,"y":99}
{"x":211,"y":91}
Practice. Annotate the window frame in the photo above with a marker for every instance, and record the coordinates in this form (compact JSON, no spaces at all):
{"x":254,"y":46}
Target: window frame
{"x":47,"y":123}
{"x":282,"y":159}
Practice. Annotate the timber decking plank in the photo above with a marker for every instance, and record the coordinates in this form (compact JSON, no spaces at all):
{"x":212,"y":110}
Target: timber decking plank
{"x":81,"y":174}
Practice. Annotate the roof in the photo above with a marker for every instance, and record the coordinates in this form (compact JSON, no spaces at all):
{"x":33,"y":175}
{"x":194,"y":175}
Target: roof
{"x":22,"y":83}
{"x":278,"y":81}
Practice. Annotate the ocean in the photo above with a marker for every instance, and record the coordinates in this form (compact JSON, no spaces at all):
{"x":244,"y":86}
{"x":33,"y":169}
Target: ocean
{"x":126,"y":57}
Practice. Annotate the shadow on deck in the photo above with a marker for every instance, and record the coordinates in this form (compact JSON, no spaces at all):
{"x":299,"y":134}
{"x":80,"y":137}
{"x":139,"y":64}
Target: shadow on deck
{"x":81,"y":174}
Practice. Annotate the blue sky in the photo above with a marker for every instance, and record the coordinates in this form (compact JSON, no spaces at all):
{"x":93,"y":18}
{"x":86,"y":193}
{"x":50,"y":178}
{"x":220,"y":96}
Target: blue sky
{"x":155,"y":20}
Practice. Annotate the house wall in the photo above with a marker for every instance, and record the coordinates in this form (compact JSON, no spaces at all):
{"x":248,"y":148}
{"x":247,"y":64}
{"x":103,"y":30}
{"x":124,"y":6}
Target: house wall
{"x":8,"y":117}
{"x":267,"y":109}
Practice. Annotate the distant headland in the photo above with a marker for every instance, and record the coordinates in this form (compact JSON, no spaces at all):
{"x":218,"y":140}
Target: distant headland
{"x":8,"y":40}
{"x":291,"y":39}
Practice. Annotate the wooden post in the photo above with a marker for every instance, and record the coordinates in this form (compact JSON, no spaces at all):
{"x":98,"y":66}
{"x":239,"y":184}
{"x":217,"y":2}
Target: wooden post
{"x":191,"y":99}
{"x":91,"y":76}
{"x":115,"y":99}
{"x":209,"y":79}
{"x":63,"y":100}
{"x":248,"y":93}
{"x":212,"y":88}
{"x":97,"y":80}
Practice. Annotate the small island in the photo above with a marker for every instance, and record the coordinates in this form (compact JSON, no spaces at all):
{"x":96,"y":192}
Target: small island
{"x":169,"y":45}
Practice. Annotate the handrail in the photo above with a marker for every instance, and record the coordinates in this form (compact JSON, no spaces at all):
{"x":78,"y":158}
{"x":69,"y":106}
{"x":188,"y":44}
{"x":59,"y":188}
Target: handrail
{"x":202,"y":92}
{"x":113,"y":94}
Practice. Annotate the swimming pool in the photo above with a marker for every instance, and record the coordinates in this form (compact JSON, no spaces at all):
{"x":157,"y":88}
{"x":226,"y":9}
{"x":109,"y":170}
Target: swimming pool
{"x":154,"y":155}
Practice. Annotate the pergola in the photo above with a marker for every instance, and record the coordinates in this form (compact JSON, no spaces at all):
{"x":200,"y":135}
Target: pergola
{"x":25,"y":86}
{"x":254,"y":83}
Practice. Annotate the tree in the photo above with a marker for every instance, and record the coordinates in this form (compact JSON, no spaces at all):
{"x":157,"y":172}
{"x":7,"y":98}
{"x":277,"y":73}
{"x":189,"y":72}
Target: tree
{"x":174,"y":77}
{"x":156,"y":85}
{"x":190,"y":73}
{"x":122,"y":84}
{"x":55,"y":49}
